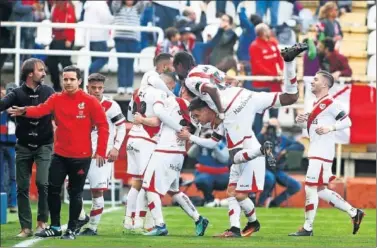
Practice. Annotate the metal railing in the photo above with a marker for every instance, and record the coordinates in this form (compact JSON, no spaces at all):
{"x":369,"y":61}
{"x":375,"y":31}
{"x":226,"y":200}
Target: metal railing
{"x":86,"y":52}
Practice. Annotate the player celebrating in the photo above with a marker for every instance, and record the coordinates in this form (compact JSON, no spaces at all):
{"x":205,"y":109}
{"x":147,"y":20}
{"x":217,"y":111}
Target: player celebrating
{"x":143,"y":138}
{"x":164,"y":167}
{"x":240,"y":107}
{"x":326,"y":117}
{"x":99,"y":176}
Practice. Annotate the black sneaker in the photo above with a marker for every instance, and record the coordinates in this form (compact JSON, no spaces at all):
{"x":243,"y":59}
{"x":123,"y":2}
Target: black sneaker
{"x":81,"y":223}
{"x":49,"y":232}
{"x":267,"y":151}
{"x":302,"y":232}
{"x":250,"y":228}
{"x":68,"y":235}
{"x":88,"y":232}
{"x":290,"y":53}
{"x":357,"y":220}
{"x":233,"y":232}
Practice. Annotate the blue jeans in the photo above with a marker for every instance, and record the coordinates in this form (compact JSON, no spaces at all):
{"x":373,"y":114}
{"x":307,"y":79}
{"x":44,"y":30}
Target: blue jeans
{"x":98,"y":62}
{"x":126,"y":66}
{"x":207,"y":183}
{"x":282,"y":179}
{"x":7,"y":158}
{"x":262,"y":6}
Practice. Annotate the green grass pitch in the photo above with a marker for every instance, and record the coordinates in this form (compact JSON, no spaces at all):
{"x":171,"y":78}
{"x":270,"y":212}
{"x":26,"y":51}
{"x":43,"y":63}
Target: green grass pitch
{"x":332,"y":228}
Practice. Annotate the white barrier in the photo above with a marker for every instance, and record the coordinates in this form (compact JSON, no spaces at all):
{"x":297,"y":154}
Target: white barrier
{"x":18,"y":51}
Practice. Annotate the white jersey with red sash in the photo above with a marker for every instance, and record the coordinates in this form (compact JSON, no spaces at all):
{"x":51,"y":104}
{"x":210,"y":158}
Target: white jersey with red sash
{"x":143,"y":101}
{"x":168,"y":140}
{"x":324,"y":113}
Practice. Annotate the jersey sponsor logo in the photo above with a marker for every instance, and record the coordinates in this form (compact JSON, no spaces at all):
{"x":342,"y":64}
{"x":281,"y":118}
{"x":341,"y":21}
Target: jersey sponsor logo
{"x":131,"y":148}
{"x":175,"y":167}
{"x":242,"y":105}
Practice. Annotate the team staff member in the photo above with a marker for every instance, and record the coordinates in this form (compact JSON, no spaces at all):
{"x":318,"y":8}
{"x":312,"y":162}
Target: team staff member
{"x":75,"y":115}
{"x":34,"y":143}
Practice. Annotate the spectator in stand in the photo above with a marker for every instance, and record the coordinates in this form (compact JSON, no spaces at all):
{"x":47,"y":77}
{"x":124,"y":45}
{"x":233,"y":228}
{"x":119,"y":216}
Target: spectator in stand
{"x":190,"y":17}
{"x":98,"y":12}
{"x":262,"y":7}
{"x":202,"y":50}
{"x":265,"y":60}
{"x":187,"y":38}
{"x":8,"y":154}
{"x":23,"y":11}
{"x":248,"y":34}
{"x":62,"y":12}
{"x":126,"y":13}
{"x":172,"y":42}
{"x":282,"y":144}
{"x":212,"y":172}
{"x":332,"y":61}
{"x":147,"y":39}
{"x":328,"y":26}
{"x":225,"y":46}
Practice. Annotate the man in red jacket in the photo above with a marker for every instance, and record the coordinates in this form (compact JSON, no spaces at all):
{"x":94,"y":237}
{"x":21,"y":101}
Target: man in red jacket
{"x":76,"y":113}
{"x":62,"y":12}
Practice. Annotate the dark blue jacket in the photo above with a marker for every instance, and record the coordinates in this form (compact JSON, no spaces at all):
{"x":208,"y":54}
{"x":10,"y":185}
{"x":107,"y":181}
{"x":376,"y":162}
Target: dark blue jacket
{"x":246,"y":38}
{"x":202,"y":50}
{"x":7,"y":130}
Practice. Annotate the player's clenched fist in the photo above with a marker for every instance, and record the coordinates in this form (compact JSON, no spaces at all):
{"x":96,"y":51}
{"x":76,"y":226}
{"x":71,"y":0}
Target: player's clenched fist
{"x":138,"y":118}
{"x":184,"y":134}
{"x":323,"y":130}
{"x":302,"y":118}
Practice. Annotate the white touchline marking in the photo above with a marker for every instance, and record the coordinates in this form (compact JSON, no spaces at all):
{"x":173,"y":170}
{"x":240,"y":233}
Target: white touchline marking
{"x":30,"y":242}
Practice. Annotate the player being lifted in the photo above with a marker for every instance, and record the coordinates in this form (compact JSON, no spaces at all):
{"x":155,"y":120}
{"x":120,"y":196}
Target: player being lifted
{"x":164,"y":167}
{"x":235,"y":109}
{"x":142,"y":138}
{"x":326,"y":117}
{"x":99,"y":176}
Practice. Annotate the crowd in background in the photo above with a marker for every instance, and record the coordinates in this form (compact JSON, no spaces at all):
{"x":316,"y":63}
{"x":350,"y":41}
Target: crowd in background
{"x":253,"y":51}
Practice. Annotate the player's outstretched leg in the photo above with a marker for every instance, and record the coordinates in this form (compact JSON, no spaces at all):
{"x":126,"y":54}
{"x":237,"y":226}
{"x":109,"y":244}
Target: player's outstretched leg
{"x":245,"y":155}
{"x":234,"y":218}
{"x":155,"y":206}
{"x":201,"y":223}
{"x":290,"y":53}
{"x":311,"y":205}
{"x":337,"y":201}
{"x":248,"y":208}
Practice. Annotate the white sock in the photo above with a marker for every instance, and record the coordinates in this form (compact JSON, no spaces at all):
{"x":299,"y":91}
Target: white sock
{"x":148,"y":221}
{"x":96,"y":212}
{"x":131,"y":202}
{"x":234,"y":212}
{"x":248,"y":208}
{"x":141,"y":209}
{"x":187,"y":206}
{"x":290,"y":80}
{"x":311,"y":205}
{"x":337,"y":201}
{"x":247,"y":155}
{"x":82,"y":213}
{"x":155,"y":206}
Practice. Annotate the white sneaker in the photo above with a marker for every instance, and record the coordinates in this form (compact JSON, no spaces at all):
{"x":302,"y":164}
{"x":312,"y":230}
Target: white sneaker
{"x":129,"y":90}
{"x":213,"y":204}
{"x":127,"y":223}
{"x":224,"y":203}
{"x":121,"y":90}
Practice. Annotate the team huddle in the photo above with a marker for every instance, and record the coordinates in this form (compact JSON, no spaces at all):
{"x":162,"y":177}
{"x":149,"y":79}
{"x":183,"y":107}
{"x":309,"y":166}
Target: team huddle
{"x":163,"y":124}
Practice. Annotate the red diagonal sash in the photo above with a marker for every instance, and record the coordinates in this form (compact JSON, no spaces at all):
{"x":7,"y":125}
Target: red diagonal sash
{"x":184,"y":109}
{"x":319,"y":108}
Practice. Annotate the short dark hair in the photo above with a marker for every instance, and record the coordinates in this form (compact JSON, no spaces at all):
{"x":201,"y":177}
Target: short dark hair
{"x":162,"y":57}
{"x":96,"y":77}
{"x":73,"y":69}
{"x":230,"y":19}
{"x":255,"y":19}
{"x":28,"y":67}
{"x":184,"y":58}
{"x":186,"y":12}
{"x":328,"y":76}
{"x":171,"y":32}
{"x":329,"y":43}
{"x":197,"y":104}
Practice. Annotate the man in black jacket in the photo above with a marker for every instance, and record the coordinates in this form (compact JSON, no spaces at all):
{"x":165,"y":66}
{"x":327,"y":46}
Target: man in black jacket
{"x":34,"y":143}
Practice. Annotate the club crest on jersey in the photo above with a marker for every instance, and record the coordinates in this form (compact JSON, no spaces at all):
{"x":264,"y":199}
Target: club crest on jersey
{"x":322,"y":106}
{"x":81,"y":105}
